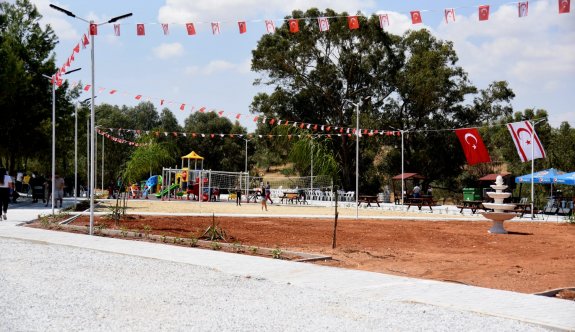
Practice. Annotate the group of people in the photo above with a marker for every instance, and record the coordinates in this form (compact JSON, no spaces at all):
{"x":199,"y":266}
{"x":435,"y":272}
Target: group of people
{"x":265,"y":193}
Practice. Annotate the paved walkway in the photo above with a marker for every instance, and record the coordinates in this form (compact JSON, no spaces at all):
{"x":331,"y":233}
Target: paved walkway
{"x":539,"y":310}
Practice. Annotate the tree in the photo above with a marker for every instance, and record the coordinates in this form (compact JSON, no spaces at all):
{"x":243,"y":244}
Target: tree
{"x":25,"y":97}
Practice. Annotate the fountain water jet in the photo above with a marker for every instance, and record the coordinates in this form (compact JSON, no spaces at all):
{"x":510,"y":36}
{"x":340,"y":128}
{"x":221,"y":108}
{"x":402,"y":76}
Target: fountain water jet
{"x":498,"y":216}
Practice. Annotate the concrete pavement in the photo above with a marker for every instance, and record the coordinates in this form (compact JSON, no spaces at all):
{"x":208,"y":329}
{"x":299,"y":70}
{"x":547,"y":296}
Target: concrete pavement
{"x":539,"y":310}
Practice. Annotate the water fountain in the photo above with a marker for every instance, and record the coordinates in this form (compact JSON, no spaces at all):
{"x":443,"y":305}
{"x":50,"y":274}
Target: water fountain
{"x":498,"y":216}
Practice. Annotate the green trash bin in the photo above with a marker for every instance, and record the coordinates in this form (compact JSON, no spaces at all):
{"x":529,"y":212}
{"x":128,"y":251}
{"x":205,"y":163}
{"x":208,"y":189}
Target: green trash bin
{"x":472,"y":194}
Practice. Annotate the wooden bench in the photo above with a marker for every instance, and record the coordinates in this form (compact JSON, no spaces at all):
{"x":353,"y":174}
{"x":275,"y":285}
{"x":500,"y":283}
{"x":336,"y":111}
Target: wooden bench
{"x":471,"y":205}
{"x":368,"y":200}
{"x":421,"y":201}
{"x":290,"y":198}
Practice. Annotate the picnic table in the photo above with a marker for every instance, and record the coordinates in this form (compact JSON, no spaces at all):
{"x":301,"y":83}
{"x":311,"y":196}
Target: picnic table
{"x":471,"y":205}
{"x":420,"y":201}
{"x":367,"y":199}
{"x":297,"y":197}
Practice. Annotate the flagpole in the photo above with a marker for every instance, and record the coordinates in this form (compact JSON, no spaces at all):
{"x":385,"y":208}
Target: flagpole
{"x":532,"y":168}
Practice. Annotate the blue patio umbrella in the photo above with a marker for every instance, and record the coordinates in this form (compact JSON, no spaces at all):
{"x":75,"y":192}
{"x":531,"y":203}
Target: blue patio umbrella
{"x":567,"y":178}
{"x":546,"y":176}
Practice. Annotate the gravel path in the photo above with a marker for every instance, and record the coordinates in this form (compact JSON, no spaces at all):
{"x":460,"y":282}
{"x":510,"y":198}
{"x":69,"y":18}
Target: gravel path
{"x":46,"y":287}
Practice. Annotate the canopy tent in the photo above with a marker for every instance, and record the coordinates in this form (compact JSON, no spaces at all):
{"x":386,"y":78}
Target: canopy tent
{"x":414,"y":177}
{"x":546,"y":176}
{"x":193,"y":155}
{"x":567,"y":178}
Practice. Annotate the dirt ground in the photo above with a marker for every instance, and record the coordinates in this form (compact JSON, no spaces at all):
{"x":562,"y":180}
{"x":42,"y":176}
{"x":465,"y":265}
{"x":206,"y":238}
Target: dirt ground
{"x":533,"y":257}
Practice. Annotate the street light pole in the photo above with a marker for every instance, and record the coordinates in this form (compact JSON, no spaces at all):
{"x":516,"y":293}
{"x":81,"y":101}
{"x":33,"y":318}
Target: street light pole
{"x":76,"y":153}
{"x":92,"y":115}
{"x":357,"y":135}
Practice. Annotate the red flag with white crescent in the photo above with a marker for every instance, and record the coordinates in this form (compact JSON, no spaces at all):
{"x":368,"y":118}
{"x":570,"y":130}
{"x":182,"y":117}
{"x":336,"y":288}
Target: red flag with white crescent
{"x":293,"y":25}
{"x":564,"y":6}
{"x":526,"y":141}
{"x":484,"y":13}
{"x":473,"y":146}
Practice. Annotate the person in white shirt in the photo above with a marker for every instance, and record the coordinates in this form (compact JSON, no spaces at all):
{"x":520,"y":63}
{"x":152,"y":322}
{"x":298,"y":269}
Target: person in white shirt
{"x":5,"y":185}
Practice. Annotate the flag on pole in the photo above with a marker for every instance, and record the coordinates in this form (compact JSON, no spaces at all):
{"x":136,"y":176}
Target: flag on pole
{"x":383,"y":20}
{"x":525,"y":139}
{"x":523,"y":8}
{"x":484,"y":12}
{"x":416,"y":17}
{"x":293,"y":25}
{"x":449,"y":15}
{"x":473,"y":146}
{"x":93,"y":29}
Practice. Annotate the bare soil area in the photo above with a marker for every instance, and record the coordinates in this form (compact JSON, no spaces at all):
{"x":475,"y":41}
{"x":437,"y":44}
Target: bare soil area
{"x":533,"y":257}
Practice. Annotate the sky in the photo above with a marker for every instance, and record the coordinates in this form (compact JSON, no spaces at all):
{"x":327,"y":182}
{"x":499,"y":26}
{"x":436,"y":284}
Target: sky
{"x":535,"y":54}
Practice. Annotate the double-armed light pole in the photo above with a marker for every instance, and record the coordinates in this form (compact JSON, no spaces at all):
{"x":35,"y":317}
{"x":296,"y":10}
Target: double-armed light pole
{"x":76,"y":152}
{"x":357,"y":135}
{"x":53,"y":81}
{"x":92,"y":113}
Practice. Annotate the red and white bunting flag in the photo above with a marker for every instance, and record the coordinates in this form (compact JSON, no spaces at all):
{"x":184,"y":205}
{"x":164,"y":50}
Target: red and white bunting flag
{"x":85,"y":41}
{"x":323,"y":23}
{"x":77,"y":48}
{"x":352,"y":22}
{"x":416,"y":17}
{"x":238,"y":116}
{"x":483,"y":12}
{"x":293,"y":25}
{"x":161,"y":102}
{"x":138,"y":97}
{"x":100,"y":90}
{"x":523,"y":8}
{"x":473,"y":147}
{"x":190,"y":29}
{"x":113,"y":91}
{"x":166,"y":29}
{"x":256,"y":118}
{"x":272,"y":121}
{"x":93,"y":29}
{"x":140,"y":29}
{"x":221,"y":113}
{"x":216,"y":28}
{"x":242,"y":27}
{"x":116,"y":29}
{"x":270,"y":26}
{"x":182,"y":107}
{"x":525,"y":139}
{"x":564,"y":6}
{"x":383,"y":20}
{"x":449,"y":15}
{"x":87,"y":87}
{"x":202,"y":109}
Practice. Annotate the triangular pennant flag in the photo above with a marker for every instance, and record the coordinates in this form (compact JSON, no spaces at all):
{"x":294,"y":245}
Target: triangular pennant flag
{"x":256,"y":118}
{"x":77,"y":48}
{"x":87,"y":87}
{"x":85,"y":41}
{"x":293,"y":25}
{"x":138,"y":97}
{"x":191,"y":30}
{"x":113,"y":91}
{"x":353,"y":22}
{"x":140,"y":29}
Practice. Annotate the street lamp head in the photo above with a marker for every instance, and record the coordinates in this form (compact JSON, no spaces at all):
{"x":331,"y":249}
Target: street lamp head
{"x":67,"y":12}
{"x":71,"y":71}
{"x":117,"y":18}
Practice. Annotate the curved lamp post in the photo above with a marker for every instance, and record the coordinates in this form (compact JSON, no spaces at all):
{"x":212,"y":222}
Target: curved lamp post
{"x":92,"y":113}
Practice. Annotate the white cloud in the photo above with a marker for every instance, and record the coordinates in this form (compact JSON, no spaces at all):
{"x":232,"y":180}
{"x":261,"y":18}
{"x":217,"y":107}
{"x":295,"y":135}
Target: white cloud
{"x":171,"y":50}
{"x":215,"y":67}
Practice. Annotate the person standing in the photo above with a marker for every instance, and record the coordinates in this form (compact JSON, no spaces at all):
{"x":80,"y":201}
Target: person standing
{"x":59,"y":189}
{"x":47,"y":190}
{"x":268,"y":192}
{"x":5,"y":185}
{"x":238,"y":196}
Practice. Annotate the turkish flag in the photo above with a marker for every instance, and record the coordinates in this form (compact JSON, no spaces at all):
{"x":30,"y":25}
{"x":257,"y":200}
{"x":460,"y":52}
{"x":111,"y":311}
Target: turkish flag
{"x":416,"y":17}
{"x":270,"y":26}
{"x":352,"y":22}
{"x":190,"y":28}
{"x":293,"y":25}
{"x":93,"y":29}
{"x":140,"y":29}
{"x":484,"y":13}
{"x":383,"y":20}
{"x":323,"y":23}
{"x":564,"y":6}
{"x":473,"y":146}
{"x":242,"y":27}
{"x":526,"y":141}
